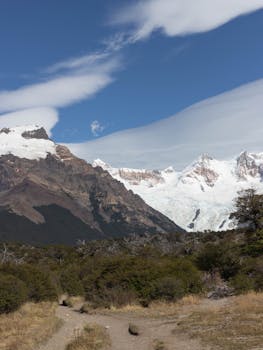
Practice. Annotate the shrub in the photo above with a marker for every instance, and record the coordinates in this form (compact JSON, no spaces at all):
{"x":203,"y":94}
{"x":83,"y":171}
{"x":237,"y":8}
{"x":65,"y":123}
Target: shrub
{"x":168,"y":288}
{"x":254,"y":243}
{"x":222,"y":257}
{"x":13,"y":293}
{"x":122,"y":280}
{"x":242,"y":283}
{"x":37,"y":281}
{"x":184,"y":270}
{"x":253,"y":267}
{"x":70,"y":281}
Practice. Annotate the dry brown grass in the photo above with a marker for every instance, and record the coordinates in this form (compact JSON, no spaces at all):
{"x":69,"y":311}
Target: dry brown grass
{"x":27,"y":327}
{"x":159,"y":308}
{"x":77,"y":300}
{"x":236,"y":325}
{"x":93,"y":337}
{"x":190,"y":300}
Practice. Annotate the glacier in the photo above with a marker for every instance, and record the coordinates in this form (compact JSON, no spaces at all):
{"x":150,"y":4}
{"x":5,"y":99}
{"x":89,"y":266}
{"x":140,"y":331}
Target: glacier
{"x":202,"y":196}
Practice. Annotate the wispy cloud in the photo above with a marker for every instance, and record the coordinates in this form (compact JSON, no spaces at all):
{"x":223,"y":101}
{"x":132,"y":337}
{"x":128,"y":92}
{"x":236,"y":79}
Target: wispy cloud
{"x":181,"y":17}
{"x":96,"y":128}
{"x":118,"y":41}
{"x":89,"y":61}
{"x":62,"y":84}
{"x":77,"y":84}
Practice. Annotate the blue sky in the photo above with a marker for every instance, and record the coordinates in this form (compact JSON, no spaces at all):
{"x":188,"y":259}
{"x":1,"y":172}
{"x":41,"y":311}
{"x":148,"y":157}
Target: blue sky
{"x":157,"y":69}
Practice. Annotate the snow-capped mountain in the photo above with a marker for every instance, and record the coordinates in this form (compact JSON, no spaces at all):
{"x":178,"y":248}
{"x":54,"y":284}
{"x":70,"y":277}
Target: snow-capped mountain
{"x":47,"y":195}
{"x":199,"y":198}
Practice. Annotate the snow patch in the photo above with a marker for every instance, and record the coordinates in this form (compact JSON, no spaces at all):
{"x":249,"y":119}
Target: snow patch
{"x":12,"y":142}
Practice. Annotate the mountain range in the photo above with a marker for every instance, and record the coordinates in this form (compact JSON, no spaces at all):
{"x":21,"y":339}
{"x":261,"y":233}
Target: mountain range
{"x":202,"y":196}
{"x":47,"y":195}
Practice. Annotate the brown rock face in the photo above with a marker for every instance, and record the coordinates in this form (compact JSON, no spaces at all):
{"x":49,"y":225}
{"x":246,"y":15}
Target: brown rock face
{"x":135,"y":178}
{"x":38,"y":198}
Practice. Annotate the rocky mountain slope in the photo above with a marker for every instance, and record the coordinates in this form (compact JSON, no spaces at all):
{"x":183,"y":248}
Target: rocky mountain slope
{"x":199,"y":198}
{"x":47,"y":195}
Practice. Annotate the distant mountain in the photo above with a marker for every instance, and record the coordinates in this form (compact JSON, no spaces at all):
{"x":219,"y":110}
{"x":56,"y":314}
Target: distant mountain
{"x":47,"y":195}
{"x":199,"y":198}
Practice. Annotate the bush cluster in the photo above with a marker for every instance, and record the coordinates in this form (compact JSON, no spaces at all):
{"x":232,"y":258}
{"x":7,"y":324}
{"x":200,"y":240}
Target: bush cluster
{"x":13,"y":293}
{"x":122,"y":280}
{"x":21,"y":283}
{"x":103,"y":281}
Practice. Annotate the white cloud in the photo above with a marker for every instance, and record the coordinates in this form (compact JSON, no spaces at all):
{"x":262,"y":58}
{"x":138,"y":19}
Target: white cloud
{"x":79,"y":78}
{"x":181,"y":17}
{"x":61,"y":91}
{"x":223,"y":126}
{"x":46,"y":117}
{"x":118,"y":41}
{"x":96,"y":128}
{"x":90,"y":61}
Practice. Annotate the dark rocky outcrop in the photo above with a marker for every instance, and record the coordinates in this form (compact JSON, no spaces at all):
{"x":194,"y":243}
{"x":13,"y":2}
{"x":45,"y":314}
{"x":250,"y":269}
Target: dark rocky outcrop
{"x":35,"y":134}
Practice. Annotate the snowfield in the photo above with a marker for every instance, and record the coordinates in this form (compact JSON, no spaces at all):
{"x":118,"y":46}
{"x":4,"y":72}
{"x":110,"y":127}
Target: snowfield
{"x":199,"y":198}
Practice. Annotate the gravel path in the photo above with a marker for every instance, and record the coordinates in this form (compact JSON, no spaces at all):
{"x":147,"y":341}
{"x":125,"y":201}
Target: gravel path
{"x":117,"y":326}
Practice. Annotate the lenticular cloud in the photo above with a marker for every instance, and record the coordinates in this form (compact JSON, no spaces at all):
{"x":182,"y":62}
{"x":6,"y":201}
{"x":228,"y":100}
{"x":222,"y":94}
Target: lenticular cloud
{"x":222,"y":126}
{"x":180,"y":17}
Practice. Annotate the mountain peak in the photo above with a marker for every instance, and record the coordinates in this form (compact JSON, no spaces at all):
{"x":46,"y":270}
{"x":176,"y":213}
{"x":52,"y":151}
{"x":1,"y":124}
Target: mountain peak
{"x":201,"y":171}
{"x":249,"y":164}
{"x":99,"y":163}
{"x":204,"y":158}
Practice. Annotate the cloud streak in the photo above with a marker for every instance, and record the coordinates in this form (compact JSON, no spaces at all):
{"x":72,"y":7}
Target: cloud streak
{"x":85,"y":62}
{"x":182,"y":17}
{"x":76,"y":85}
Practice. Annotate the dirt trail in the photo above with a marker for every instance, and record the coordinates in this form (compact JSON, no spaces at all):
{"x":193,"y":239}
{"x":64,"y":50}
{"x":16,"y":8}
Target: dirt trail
{"x":117,"y":326}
